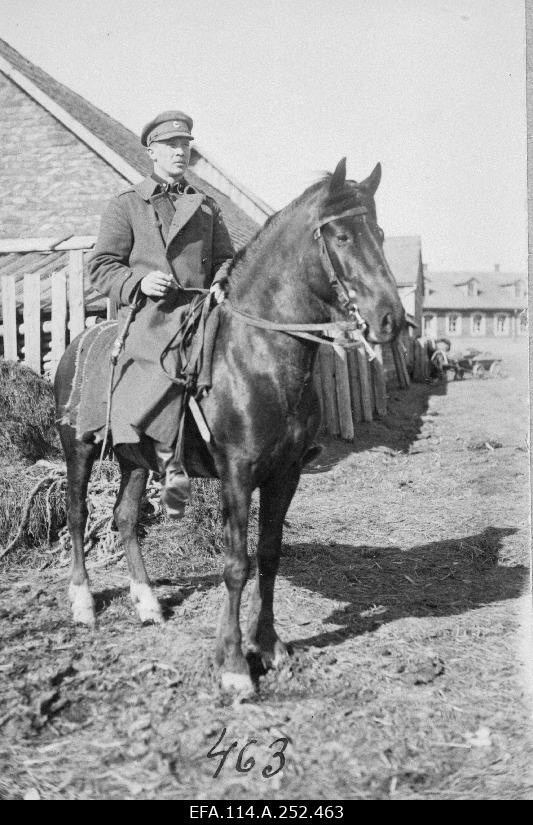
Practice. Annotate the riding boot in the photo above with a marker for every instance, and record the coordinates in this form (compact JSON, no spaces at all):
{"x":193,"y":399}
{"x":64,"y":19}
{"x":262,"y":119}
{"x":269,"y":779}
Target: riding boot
{"x":177,"y":490}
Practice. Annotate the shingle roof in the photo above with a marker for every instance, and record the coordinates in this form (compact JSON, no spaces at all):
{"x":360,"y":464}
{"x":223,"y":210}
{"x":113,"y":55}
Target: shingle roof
{"x":446,"y":290}
{"x":122,"y":140}
{"x":404,"y":255}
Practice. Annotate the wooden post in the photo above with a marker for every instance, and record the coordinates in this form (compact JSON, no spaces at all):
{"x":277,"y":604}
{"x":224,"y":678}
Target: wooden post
{"x":59,"y":317}
{"x":355,"y":387}
{"x":420,"y":361}
{"x":76,"y":298}
{"x":399,"y":363}
{"x":9,"y":318}
{"x":327,"y":374}
{"x":364,"y":382}
{"x":344,"y":404}
{"x":32,"y":321}
{"x":378,"y":375}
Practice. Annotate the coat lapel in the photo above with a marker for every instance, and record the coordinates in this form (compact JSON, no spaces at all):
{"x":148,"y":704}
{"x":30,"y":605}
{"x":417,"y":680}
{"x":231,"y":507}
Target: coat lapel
{"x":186,"y":206}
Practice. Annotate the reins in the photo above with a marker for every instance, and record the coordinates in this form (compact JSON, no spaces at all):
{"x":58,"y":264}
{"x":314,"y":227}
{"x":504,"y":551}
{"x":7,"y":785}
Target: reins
{"x":332,"y":331}
{"x":341,"y":335}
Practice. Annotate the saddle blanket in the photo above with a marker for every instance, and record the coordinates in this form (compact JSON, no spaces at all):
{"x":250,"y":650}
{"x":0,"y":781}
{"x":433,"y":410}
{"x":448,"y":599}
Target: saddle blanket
{"x":86,"y":407}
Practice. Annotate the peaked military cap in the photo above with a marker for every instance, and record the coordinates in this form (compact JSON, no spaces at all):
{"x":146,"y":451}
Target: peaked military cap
{"x":168,"y":124}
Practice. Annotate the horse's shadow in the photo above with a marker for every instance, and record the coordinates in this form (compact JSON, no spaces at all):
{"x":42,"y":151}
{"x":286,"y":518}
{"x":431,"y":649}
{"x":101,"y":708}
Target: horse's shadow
{"x":399,"y":430}
{"x":383,"y":584}
{"x":378,"y":585}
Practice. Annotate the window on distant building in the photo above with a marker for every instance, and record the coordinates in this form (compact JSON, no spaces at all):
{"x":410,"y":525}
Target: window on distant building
{"x":430,"y":326}
{"x":502,"y":324}
{"x":523,"y":322}
{"x":478,"y":324}
{"x":453,"y":324}
{"x":473,"y":286}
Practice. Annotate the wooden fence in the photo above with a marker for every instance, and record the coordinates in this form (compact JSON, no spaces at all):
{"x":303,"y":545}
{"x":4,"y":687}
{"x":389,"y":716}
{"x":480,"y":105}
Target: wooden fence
{"x":46,"y":305}
{"x":353,"y":390}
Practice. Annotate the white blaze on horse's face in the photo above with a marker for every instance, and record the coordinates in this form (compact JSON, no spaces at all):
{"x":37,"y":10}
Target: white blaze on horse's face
{"x":355,"y":246}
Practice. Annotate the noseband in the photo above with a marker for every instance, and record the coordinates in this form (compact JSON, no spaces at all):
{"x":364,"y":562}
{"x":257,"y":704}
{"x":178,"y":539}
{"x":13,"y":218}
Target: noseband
{"x":344,"y":295}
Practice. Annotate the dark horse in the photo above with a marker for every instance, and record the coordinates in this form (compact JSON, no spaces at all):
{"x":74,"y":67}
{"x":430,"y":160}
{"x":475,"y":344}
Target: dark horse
{"x":319,"y":260}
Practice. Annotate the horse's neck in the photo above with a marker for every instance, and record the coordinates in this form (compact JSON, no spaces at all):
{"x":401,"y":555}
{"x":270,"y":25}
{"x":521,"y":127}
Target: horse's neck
{"x":272,"y":281}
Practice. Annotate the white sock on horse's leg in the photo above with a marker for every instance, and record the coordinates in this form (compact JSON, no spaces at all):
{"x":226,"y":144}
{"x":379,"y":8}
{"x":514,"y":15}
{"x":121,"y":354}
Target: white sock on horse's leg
{"x":82,"y":603}
{"x":239,"y":683}
{"x":146,"y":603}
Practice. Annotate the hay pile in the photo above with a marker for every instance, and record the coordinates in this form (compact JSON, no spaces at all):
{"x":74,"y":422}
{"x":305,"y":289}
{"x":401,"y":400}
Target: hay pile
{"x":29,"y":453}
{"x":33,"y":487}
{"x":27,"y":416}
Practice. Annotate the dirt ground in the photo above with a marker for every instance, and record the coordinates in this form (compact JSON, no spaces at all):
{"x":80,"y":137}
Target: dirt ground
{"x":402,"y":594}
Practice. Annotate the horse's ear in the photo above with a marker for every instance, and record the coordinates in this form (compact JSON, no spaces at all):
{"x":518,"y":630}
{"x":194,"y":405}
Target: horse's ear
{"x":371,"y":183}
{"x":338,"y":177}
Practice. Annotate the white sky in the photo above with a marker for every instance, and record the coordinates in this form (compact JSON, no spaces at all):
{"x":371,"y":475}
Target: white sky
{"x":282,"y":89}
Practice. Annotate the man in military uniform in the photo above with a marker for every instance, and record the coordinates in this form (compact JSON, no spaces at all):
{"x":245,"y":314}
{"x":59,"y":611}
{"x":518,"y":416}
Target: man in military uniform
{"x":158,"y":239}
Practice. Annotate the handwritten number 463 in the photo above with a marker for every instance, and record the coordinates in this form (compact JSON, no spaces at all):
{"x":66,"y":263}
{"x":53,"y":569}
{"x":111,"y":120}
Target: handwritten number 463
{"x":245,"y":765}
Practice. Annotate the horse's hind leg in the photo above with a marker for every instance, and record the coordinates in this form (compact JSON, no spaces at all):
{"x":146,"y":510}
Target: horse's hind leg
{"x":132,"y":486}
{"x":275,"y":498}
{"x":79,"y":458}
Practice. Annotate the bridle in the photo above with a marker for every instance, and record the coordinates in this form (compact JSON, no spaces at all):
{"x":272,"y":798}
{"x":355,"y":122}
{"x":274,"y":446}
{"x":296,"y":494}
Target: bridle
{"x":344,"y":295}
{"x":339,"y":334}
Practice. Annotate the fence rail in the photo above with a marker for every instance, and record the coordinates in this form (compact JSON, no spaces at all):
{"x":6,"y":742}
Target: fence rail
{"x":47,"y":307}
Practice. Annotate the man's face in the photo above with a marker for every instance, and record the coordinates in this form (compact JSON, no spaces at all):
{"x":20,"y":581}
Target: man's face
{"x":170,"y":156}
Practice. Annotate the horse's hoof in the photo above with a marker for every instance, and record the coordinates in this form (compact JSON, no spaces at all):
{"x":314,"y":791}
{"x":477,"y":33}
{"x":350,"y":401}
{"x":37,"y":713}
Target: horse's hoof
{"x":146,"y":604}
{"x":280,"y":654}
{"x":275,"y":656}
{"x":272,"y":655}
{"x":239,"y":683}
{"x":82,"y":604}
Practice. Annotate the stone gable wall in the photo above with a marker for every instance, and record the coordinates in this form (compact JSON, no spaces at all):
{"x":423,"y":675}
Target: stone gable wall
{"x":51,"y":183}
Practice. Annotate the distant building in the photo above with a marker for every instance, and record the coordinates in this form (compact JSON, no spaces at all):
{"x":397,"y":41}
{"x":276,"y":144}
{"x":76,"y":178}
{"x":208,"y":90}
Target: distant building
{"x":404,"y":256}
{"x":475,"y":306}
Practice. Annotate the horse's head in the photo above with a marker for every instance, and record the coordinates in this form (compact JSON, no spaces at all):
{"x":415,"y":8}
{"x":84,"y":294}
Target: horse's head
{"x":351,"y":255}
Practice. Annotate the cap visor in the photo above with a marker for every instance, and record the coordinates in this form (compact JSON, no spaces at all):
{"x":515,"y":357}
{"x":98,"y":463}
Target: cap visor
{"x":166,"y":135}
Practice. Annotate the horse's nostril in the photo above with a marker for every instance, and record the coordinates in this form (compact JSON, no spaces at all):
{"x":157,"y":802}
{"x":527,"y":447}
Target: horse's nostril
{"x":387,"y":323}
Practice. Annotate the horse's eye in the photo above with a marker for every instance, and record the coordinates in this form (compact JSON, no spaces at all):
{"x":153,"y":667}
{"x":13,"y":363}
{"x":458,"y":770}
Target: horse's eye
{"x":342,"y":239}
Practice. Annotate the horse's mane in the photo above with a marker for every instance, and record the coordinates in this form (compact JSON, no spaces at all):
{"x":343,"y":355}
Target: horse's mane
{"x":263,"y":235}
{"x":345,"y":198}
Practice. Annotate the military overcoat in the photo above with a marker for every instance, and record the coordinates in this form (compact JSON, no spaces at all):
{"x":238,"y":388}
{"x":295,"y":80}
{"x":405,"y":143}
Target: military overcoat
{"x":131,"y":243}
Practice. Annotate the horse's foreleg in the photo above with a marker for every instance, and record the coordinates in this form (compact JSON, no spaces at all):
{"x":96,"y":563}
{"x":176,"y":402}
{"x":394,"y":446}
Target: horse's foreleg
{"x":275,"y":498}
{"x":126,"y":513}
{"x":80,"y":457}
{"x":236,"y":495}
